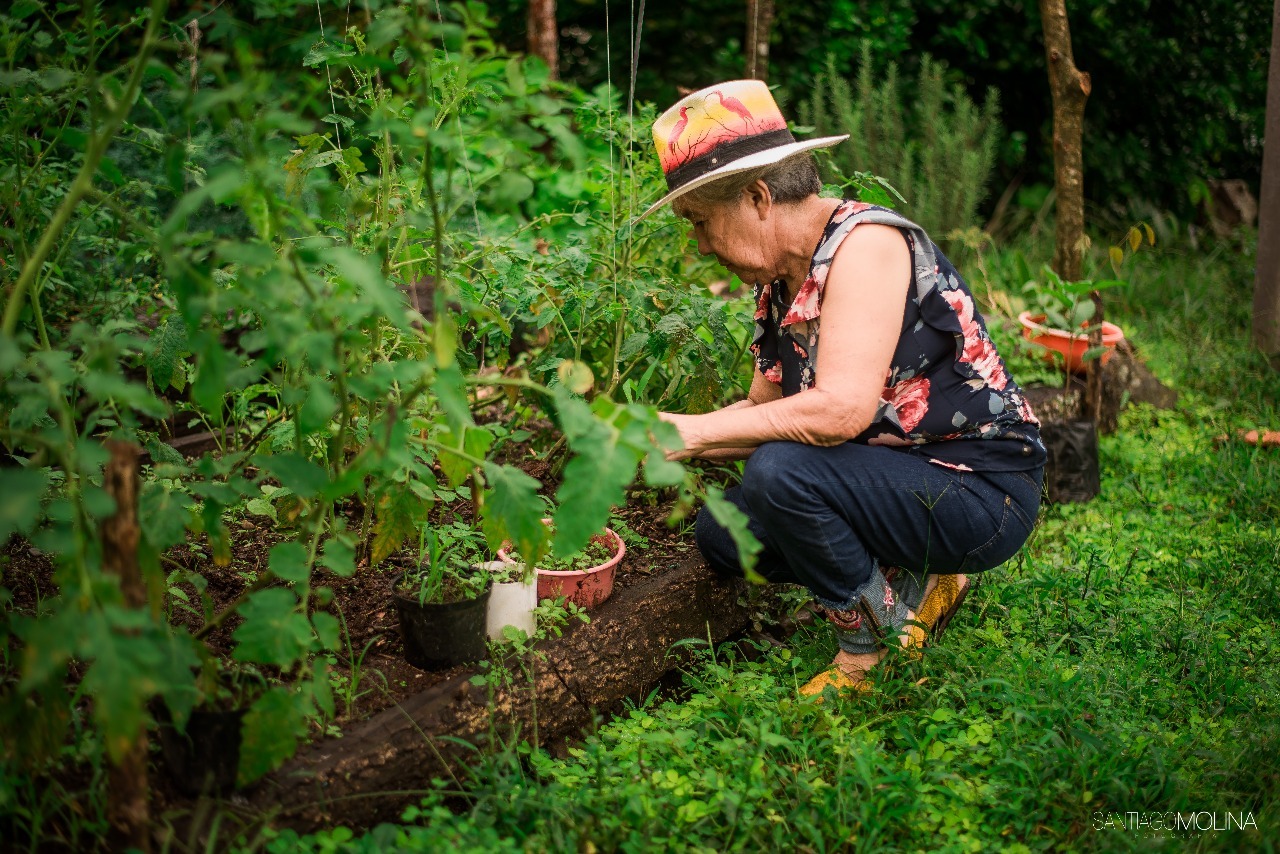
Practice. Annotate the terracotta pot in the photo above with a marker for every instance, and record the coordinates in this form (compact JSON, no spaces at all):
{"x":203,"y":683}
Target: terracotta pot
{"x":585,"y":588}
{"x":1071,"y":347}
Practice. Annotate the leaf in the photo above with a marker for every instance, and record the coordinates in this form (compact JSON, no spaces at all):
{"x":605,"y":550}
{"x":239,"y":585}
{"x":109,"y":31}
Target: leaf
{"x":397,"y":519}
{"x":595,"y":481}
{"x":1081,"y":314}
{"x":167,"y":513}
{"x":20,"y":494}
{"x":261,"y":507}
{"x":108,"y":167}
{"x":301,"y":476}
{"x":1151,"y":235}
{"x":1092,"y":353}
{"x":510,"y":188}
{"x":210,"y":384}
{"x":1117,"y":257}
{"x":576,"y":376}
{"x":476,"y":442}
{"x":273,"y":631}
{"x":132,"y":660}
{"x":327,"y":629}
{"x":168,"y":346}
{"x":660,"y":471}
{"x":289,"y":561}
{"x":513,"y":511}
{"x":339,"y":557}
{"x":1135,"y":238}
{"x":318,"y":408}
{"x":450,"y":392}
{"x":363,"y":272}
{"x":271,"y":731}
{"x":735,"y":522}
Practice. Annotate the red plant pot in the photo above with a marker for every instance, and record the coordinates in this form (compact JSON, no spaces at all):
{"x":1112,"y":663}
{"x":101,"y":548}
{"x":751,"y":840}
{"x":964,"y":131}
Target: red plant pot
{"x":1070,"y":347}
{"x":585,"y":588}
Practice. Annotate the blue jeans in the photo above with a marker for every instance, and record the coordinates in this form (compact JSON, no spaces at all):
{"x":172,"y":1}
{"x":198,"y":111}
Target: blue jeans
{"x":833,"y":519}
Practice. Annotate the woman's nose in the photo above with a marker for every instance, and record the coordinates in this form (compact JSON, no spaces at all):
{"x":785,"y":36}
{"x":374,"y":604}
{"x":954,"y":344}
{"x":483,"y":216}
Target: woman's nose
{"x":704,"y":248}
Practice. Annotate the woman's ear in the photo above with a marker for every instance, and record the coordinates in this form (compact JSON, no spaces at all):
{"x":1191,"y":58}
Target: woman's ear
{"x":759,"y":197}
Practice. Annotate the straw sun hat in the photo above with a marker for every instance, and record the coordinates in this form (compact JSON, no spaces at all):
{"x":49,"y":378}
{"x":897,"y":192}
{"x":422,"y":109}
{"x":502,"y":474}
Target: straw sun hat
{"x":723,"y":129}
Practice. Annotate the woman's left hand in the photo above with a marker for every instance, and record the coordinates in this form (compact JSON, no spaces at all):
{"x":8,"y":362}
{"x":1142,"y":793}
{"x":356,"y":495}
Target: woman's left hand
{"x":686,"y":426}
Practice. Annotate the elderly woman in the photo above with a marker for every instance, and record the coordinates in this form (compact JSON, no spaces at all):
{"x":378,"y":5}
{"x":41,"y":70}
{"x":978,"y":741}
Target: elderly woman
{"x":896,"y":459}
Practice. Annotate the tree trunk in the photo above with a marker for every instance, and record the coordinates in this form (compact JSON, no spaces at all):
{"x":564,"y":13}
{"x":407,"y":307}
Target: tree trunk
{"x":544,"y":38}
{"x":756,"y":46}
{"x":1070,"y":89}
{"x":127,"y":808}
{"x":1266,"y":288}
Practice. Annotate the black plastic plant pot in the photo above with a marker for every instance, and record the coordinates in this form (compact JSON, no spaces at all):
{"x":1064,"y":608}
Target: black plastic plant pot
{"x":205,"y":759}
{"x":1071,"y":473}
{"x":437,"y":637}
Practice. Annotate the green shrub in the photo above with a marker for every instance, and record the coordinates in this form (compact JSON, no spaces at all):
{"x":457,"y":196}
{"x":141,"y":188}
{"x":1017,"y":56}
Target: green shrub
{"x":925,"y":137}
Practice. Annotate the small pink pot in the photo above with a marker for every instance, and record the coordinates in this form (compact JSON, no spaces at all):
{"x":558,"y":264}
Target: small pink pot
{"x":585,"y":588}
{"x":1070,"y":347}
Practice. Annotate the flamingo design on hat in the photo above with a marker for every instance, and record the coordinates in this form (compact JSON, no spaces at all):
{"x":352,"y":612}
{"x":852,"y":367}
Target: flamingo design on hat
{"x":674,"y":139}
{"x":732,"y":104}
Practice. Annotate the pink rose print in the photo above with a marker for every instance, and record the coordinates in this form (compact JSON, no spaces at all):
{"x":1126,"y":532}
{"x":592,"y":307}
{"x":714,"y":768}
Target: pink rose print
{"x":979,"y":352}
{"x":963,"y":307}
{"x":911,"y":400}
{"x":888,"y":597}
{"x":986,"y":361}
{"x":774,"y":373}
{"x":806,"y":304}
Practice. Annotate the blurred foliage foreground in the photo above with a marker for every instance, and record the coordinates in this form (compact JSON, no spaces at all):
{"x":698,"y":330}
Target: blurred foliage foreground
{"x":331,"y":301}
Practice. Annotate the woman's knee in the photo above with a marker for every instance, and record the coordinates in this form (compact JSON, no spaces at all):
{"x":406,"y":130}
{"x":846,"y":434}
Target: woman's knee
{"x":772,"y":473}
{"x":716,"y":544}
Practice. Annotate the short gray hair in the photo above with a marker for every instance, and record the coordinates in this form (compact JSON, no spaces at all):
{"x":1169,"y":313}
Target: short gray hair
{"x":791,"y":180}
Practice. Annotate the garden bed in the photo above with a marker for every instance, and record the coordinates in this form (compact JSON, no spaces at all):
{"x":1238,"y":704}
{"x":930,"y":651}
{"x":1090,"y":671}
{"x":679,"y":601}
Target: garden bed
{"x":370,"y":773}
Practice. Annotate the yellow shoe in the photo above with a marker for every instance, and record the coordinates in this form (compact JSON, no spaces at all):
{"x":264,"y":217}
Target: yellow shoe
{"x":936,"y":611}
{"x":836,"y":678}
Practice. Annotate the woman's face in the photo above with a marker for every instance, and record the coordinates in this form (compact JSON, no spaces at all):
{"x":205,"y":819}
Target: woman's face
{"x":735,"y":234}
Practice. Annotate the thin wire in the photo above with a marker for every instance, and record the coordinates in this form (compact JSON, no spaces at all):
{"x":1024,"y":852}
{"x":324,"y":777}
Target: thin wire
{"x":635,"y":59}
{"x":617,"y":193}
{"x":462,"y":143}
{"x":333,"y":104}
{"x":631,"y":99}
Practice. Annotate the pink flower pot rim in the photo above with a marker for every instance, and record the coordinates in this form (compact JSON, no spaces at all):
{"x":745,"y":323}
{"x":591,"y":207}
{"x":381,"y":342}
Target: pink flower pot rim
{"x":620,"y":552}
{"x":1111,"y":334}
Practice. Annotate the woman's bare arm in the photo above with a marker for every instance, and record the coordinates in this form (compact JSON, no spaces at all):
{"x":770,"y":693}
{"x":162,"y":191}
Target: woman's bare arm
{"x":761,"y":391}
{"x":862,"y":309}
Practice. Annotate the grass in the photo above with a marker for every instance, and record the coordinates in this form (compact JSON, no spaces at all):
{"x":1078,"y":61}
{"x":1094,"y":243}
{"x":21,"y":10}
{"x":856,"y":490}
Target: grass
{"x":1126,"y":661}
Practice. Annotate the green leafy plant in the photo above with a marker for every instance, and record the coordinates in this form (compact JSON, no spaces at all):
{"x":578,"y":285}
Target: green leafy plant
{"x":448,"y":566}
{"x":935,"y":148}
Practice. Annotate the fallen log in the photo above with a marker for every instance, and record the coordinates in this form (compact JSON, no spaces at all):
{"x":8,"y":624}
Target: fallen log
{"x":370,"y":774}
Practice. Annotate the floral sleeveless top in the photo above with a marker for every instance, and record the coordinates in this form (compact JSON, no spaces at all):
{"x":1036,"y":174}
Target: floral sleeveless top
{"x":947,"y":395}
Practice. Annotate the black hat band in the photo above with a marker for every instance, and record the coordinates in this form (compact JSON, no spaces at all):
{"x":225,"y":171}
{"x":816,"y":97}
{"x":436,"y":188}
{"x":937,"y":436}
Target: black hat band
{"x":725,"y":153}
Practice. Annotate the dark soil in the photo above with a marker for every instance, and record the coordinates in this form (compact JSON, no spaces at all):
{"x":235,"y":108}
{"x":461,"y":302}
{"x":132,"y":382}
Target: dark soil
{"x":370,"y":673}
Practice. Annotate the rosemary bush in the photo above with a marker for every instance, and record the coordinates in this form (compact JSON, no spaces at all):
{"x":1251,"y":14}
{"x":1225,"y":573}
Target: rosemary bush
{"x":926,"y":137}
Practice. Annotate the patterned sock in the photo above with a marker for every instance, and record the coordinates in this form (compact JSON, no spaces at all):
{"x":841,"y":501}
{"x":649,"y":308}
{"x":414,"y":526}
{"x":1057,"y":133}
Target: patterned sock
{"x":876,"y":612}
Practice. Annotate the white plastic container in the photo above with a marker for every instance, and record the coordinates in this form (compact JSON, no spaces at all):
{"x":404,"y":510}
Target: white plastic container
{"x":511,"y":603}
